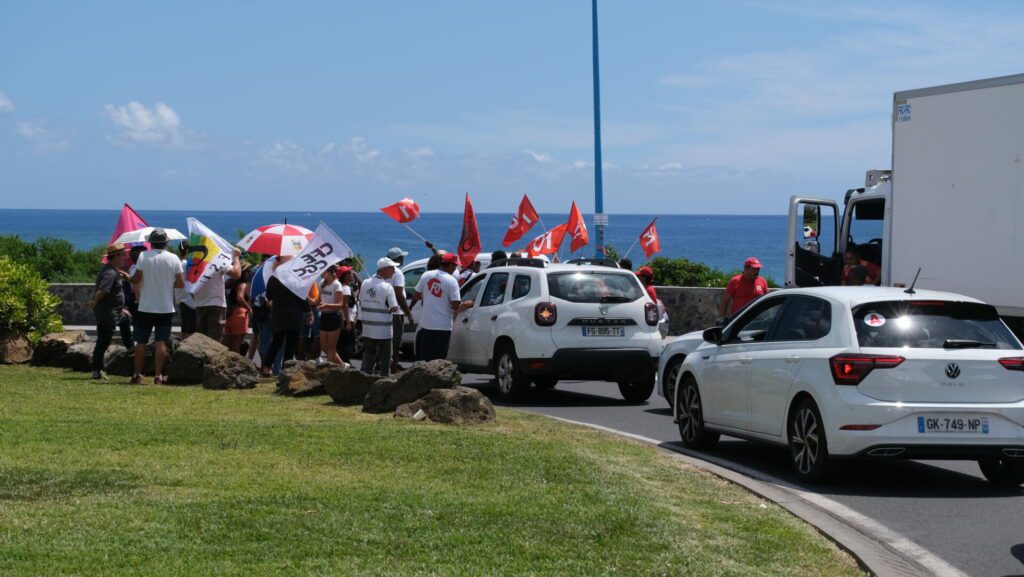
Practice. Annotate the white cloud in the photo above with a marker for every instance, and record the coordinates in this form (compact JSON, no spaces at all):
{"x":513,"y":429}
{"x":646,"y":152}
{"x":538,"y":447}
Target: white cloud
{"x":541,"y":157}
{"x":43,"y":139}
{"x":6,"y":104}
{"x":361,"y":151}
{"x":419,"y":153}
{"x":141,"y":125}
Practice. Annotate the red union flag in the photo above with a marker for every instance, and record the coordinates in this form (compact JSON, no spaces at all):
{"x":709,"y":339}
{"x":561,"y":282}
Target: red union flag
{"x":548,"y":242}
{"x":649,"y":240}
{"x":469,"y":244}
{"x":577,"y":229}
{"x":405,"y":210}
{"x":522,"y":222}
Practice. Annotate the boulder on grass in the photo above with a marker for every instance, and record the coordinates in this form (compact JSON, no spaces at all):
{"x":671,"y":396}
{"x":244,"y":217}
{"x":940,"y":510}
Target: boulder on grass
{"x":295,"y":376}
{"x":409,"y":385}
{"x":458,"y":405}
{"x":51,"y":348}
{"x":78,"y":357}
{"x":346,"y":386}
{"x":230,"y":370}
{"x":121,"y":362}
{"x":14,"y":348}
{"x":191,"y":356}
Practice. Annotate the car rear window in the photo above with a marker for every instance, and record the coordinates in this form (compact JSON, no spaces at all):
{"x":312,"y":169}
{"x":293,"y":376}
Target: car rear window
{"x":594,"y":287}
{"x":931,"y":325}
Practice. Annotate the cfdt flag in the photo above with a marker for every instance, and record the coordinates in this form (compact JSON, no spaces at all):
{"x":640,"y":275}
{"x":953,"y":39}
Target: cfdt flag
{"x":323,"y":250}
{"x":522,"y":222}
{"x":469,"y":243}
{"x":548,"y":242}
{"x":208,"y":254}
{"x":649,"y":240}
{"x":577,"y":229}
{"x":405,"y":210}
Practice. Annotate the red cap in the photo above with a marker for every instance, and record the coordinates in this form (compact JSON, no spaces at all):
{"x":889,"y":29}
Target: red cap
{"x":450,"y":258}
{"x":752,"y":262}
{"x":343,"y":269}
{"x":645,"y":271}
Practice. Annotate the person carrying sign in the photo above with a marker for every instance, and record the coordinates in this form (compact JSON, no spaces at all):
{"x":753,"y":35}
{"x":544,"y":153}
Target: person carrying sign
{"x":377,"y":304}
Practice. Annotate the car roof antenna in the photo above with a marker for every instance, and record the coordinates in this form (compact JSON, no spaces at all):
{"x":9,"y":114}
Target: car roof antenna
{"x":910,"y":290}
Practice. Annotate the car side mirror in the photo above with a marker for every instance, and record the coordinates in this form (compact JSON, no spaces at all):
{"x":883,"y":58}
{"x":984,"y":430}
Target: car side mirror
{"x":713,"y":335}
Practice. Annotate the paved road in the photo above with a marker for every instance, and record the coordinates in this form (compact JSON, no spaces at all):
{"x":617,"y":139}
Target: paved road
{"x":946,"y":507}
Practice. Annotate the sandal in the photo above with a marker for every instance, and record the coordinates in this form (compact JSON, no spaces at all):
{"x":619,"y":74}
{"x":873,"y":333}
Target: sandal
{"x":159,"y":380}
{"x":136,"y":380}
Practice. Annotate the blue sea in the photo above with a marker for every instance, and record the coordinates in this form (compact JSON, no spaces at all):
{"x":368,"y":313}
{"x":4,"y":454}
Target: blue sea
{"x":717,"y":240}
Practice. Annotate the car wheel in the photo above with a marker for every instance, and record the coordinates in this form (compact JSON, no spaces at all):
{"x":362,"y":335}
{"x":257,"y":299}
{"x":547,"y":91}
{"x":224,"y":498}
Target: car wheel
{"x":512,"y":383}
{"x":670,"y":378}
{"x":807,"y":443}
{"x":1001,"y":472}
{"x":545,"y":382}
{"x":690,"y":417}
{"x":637,"y":390}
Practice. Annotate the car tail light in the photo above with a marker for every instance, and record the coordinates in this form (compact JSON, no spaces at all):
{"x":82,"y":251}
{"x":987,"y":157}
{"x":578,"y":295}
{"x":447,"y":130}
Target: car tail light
{"x":651,"y":314}
{"x":850,"y":369}
{"x":545,"y":314}
{"x":1012,"y":363}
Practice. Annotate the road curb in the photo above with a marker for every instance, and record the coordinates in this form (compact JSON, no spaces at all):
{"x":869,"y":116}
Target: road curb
{"x":878,"y":549}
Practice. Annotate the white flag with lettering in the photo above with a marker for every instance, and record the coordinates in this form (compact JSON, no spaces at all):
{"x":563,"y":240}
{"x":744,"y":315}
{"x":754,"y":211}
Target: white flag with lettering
{"x":208,"y":254}
{"x":323,"y":250}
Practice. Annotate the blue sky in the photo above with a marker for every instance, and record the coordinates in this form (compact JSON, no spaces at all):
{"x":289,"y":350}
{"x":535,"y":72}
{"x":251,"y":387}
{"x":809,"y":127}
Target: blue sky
{"x":707,"y":107}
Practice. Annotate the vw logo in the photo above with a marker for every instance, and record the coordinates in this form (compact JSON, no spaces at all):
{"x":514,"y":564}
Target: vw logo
{"x":952,"y":370}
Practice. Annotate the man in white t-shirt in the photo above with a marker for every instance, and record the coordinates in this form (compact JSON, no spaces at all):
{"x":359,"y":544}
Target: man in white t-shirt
{"x":439,"y":292}
{"x":157,"y":273}
{"x":210,"y":301}
{"x":377,"y":303}
{"x":397,"y":255}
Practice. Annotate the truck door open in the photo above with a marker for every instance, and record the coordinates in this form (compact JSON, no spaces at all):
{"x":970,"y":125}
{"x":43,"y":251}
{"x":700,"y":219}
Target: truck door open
{"x":812,"y":241}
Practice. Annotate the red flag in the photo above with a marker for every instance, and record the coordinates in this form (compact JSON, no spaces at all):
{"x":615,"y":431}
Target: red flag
{"x":649,"y":240}
{"x":522,"y":222}
{"x":405,"y":210}
{"x":548,"y":242}
{"x":577,"y":229}
{"x":469,"y":244}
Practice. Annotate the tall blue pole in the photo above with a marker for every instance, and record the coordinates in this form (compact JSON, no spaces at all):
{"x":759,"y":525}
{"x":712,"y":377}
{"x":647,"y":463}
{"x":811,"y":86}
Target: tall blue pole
{"x":600,"y":219}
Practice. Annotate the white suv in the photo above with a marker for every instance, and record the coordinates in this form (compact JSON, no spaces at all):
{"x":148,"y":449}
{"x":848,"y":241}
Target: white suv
{"x":866,"y":372}
{"x":540,"y":322}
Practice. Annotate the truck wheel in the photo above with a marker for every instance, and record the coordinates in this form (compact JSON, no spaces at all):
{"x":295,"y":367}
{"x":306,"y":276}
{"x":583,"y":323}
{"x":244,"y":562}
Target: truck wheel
{"x":808,"y":446}
{"x":637,"y":390}
{"x":512,"y":383}
{"x":690,"y":417}
{"x":1001,"y":472}
{"x":545,"y":383}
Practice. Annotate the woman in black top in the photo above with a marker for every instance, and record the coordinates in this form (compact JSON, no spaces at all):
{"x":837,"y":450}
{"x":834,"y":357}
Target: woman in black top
{"x":287,"y":312}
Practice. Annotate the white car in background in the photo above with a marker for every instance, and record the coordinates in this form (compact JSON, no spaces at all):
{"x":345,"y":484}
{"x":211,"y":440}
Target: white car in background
{"x":861,"y":372}
{"x":532,"y":321}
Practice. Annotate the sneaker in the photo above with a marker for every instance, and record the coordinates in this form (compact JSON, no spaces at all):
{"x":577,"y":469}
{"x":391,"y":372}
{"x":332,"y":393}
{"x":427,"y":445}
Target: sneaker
{"x":280,"y":392}
{"x":136,"y":380}
{"x":99,"y":375}
{"x":160,"y":380}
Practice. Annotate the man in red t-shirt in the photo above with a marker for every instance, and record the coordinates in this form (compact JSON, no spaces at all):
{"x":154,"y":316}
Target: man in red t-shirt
{"x":744,"y":287}
{"x":646,"y":276}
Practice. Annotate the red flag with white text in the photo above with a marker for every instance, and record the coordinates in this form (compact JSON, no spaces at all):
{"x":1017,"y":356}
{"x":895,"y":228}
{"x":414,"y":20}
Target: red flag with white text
{"x":548,"y":242}
{"x":469,"y":244}
{"x":649,"y":240}
{"x":577,"y":229}
{"x":405,"y":210}
{"x":522,"y":222}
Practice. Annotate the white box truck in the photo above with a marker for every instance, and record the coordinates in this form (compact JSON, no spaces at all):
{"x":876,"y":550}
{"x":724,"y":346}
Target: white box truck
{"x":952,"y":204}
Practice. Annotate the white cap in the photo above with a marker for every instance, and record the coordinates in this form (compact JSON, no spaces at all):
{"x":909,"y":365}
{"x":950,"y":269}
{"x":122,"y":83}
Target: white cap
{"x":385,"y":263}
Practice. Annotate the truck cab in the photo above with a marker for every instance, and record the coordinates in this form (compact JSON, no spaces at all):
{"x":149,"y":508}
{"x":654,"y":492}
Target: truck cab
{"x":819,"y":235}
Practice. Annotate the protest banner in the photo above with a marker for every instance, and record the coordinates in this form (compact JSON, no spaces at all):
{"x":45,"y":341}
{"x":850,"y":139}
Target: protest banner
{"x":208,"y":255}
{"x":323,"y":250}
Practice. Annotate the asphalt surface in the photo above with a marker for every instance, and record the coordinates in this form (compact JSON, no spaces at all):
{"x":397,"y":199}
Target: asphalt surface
{"x":946,"y":507}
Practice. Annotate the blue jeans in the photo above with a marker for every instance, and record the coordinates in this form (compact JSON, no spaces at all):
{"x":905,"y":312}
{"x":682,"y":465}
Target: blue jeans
{"x":266,"y":337}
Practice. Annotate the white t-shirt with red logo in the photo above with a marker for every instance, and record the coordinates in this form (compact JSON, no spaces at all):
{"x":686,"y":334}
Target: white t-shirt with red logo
{"x":438,"y":289}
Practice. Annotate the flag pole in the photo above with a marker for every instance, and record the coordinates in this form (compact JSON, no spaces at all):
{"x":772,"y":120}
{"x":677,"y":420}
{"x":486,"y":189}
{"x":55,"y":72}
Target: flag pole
{"x":631,"y":247}
{"x":418,"y":235}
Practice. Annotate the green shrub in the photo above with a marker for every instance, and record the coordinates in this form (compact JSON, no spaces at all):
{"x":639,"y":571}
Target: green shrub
{"x":682,"y":272}
{"x":26,"y":304}
{"x":55,"y":259}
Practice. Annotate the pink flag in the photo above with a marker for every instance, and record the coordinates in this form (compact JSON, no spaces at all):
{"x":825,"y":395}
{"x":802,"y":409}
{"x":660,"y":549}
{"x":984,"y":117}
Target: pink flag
{"x":127,"y":222}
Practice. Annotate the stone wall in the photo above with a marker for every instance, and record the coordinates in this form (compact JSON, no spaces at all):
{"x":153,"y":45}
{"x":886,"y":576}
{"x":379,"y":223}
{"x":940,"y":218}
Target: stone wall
{"x":74,"y":303}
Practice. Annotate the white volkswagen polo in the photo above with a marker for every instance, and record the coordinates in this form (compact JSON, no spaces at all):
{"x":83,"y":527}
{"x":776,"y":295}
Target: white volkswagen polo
{"x":861,"y":372}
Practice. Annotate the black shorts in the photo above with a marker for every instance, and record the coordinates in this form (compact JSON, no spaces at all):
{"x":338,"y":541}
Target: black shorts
{"x":330,"y":322}
{"x":145,"y":323}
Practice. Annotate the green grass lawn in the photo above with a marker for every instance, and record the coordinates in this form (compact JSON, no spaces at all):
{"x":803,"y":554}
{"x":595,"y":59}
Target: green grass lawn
{"x":111,"y":479}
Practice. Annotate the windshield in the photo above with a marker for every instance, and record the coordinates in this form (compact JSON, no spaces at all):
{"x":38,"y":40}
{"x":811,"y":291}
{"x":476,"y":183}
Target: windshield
{"x":594,"y":287}
{"x":931,"y":325}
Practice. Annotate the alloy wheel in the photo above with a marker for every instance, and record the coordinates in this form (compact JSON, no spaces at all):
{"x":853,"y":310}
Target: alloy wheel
{"x":689,"y":413}
{"x":505,"y":368}
{"x":804,"y":441}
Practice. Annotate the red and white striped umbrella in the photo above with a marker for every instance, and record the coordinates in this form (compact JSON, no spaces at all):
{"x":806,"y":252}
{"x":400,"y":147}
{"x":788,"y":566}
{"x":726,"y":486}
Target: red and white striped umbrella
{"x":276,"y":239}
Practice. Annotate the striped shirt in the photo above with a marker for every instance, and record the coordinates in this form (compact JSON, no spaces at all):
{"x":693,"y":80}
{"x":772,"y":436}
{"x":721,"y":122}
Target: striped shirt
{"x":376,"y":298}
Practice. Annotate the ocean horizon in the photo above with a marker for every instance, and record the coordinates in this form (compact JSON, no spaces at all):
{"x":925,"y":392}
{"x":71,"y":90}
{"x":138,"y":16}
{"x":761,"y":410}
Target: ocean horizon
{"x":720,"y":241}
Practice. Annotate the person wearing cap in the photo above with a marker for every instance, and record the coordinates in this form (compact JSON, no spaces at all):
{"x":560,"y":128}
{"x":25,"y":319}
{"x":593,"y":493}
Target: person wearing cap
{"x":646,"y":276}
{"x":439,"y":292}
{"x":744,"y":287}
{"x":210,"y":299}
{"x":398,"y":319}
{"x":333,"y":308}
{"x":377,"y":304}
{"x":108,"y":304}
{"x":157,"y":274}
